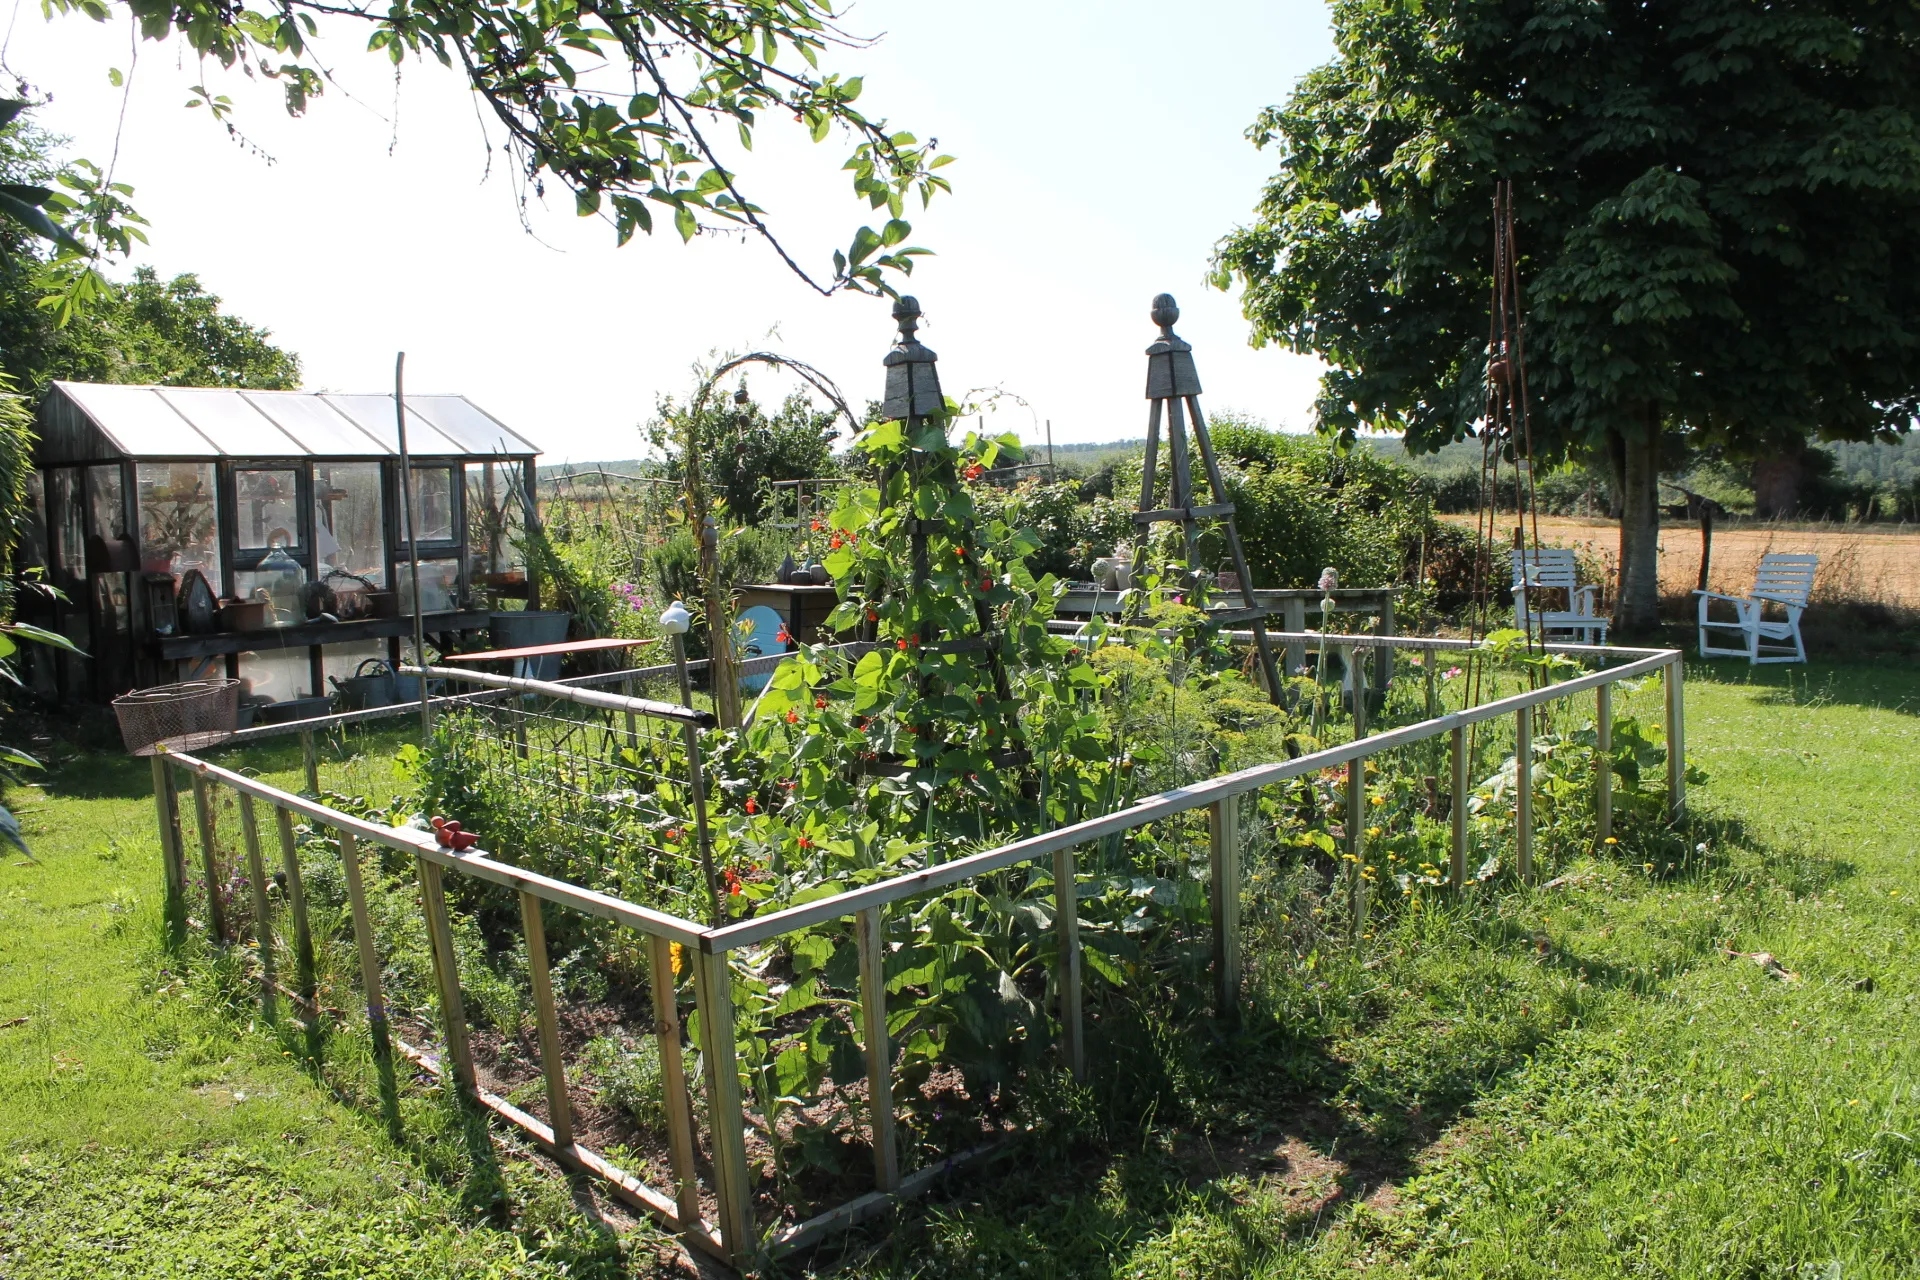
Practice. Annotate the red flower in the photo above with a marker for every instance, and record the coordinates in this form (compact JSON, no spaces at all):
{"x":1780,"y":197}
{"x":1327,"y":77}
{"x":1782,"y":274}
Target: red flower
{"x":960,"y":551}
{"x":793,"y":717}
{"x":733,"y":882}
{"x":900,"y":645}
{"x":673,"y":833}
{"x":819,"y":704}
{"x":986,"y":584}
{"x":818,"y":526}
{"x":784,"y":637}
{"x":914,"y":641}
{"x":872,"y":616}
{"x":788,"y":783}
{"x":835,"y":542}
{"x":805,"y":843}
{"x":753,"y":806}
{"x":974,"y":472}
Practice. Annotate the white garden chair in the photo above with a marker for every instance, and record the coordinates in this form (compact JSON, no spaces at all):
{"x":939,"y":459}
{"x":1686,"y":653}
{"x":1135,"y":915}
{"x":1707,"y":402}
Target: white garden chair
{"x":1546,"y":569}
{"x":1785,"y":580}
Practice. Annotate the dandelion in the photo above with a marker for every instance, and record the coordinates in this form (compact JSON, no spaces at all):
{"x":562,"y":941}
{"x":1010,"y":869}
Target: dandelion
{"x":1612,"y":840}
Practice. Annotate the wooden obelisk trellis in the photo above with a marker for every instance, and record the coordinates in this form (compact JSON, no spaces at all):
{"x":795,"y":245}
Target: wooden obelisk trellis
{"x":914,"y":396}
{"x":1173,"y":392}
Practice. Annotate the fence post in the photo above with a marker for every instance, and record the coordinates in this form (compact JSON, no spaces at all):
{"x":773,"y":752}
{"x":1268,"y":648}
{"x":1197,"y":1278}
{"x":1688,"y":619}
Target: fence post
{"x":1066,"y":928}
{"x":1458,"y":810}
{"x":726,"y":1116}
{"x":363,"y":943}
{"x":446,"y":970}
{"x":673,"y":1077}
{"x":1677,"y":737}
{"x":1356,"y":798}
{"x":1224,"y":829}
{"x":173,"y":861}
{"x":552,"y":1066}
{"x":869,"y":932}
{"x":1603,"y":762}
{"x":1523,"y":791}
{"x":209,"y":861}
{"x":310,"y":757}
{"x":262,"y":920}
{"x":297,"y":904}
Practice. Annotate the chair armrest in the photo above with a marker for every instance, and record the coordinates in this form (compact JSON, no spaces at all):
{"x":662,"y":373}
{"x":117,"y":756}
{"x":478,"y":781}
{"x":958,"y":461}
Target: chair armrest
{"x":1791,"y":604}
{"x":1717,"y":595}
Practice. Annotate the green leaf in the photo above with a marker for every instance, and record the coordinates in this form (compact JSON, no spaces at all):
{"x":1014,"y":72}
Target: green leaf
{"x":40,"y":635}
{"x":685,"y":223}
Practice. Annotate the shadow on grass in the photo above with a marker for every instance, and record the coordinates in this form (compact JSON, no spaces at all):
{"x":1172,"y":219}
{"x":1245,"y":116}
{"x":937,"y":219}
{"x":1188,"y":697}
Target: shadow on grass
{"x":1267,"y":1134}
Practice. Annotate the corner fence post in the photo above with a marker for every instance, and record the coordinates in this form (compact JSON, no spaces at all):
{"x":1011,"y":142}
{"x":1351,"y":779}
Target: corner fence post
{"x":363,"y":943}
{"x":172,"y":860}
{"x":870,"y":933}
{"x":1224,"y":829}
{"x":297,"y":905}
{"x":262,"y":919}
{"x":209,"y":862}
{"x":1457,"y":812}
{"x":1066,"y":927}
{"x":1677,"y":737}
{"x":1603,"y":763}
{"x":726,"y":1116}
{"x":552,"y":1065}
{"x":446,"y":971}
{"x":673,"y":1079}
{"x":1523,"y":791}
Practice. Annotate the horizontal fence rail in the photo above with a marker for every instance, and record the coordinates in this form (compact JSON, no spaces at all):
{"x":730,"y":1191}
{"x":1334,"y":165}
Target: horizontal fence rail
{"x":733,"y":1235}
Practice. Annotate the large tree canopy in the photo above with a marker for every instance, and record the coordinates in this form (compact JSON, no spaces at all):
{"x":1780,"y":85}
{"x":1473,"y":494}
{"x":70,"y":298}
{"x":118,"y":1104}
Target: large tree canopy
{"x":1719,"y":224}
{"x":619,"y":103}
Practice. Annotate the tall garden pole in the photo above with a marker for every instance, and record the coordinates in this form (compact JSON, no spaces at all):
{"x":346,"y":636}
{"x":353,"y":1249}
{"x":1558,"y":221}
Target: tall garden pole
{"x":413,"y":540}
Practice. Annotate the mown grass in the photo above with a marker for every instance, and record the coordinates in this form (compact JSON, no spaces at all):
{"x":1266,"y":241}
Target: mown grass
{"x":1575,"y":1080}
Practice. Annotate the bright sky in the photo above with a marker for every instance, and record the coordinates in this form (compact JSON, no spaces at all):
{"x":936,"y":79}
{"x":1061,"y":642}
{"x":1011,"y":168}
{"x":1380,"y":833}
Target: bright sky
{"x":1100,"y":156}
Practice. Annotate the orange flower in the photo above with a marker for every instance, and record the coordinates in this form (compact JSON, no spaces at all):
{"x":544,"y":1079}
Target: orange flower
{"x":819,"y":704}
{"x":793,"y":717}
{"x":753,"y":806}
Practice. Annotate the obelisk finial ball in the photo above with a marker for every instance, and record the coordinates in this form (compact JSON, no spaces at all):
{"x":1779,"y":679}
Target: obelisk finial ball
{"x":1165,"y":310}
{"x":906,"y":307}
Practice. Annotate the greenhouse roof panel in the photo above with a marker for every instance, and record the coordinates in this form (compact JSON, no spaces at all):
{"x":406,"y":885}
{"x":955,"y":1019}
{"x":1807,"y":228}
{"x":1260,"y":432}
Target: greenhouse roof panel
{"x":207,"y":422}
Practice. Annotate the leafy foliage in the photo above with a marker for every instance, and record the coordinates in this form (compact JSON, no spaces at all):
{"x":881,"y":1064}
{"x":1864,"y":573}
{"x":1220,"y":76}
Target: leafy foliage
{"x":612,"y":103}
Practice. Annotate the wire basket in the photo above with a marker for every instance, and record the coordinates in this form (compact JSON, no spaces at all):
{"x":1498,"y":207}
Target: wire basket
{"x":178,"y":717}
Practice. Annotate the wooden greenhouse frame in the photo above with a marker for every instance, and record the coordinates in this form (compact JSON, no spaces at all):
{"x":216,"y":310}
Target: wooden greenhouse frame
{"x":134,"y":485}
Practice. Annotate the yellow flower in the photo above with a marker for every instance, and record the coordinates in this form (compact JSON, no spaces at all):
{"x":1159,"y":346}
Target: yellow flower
{"x":1373,"y":831}
{"x":679,"y":958}
{"x":1377,"y":800}
{"x":1611,"y":840}
{"x":1746,"y":1097}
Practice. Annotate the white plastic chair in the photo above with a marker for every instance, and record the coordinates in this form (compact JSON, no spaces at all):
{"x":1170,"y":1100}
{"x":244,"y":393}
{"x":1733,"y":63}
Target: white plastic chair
{"x":1553,"y":569}
{"x":1782,"y":579}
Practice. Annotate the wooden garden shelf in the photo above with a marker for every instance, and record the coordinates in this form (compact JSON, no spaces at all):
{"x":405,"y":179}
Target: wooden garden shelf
{"x":169,"y":648}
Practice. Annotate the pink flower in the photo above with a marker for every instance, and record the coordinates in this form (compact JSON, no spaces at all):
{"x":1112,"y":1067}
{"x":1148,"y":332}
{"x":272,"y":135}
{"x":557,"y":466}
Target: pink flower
{"x":1450,"y":673}
{"x":1329,"y":579}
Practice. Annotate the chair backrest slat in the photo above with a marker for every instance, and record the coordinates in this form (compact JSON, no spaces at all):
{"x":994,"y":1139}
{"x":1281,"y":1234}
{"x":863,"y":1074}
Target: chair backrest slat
{"x":1786,"y":576}
{"x":1545,"y":567}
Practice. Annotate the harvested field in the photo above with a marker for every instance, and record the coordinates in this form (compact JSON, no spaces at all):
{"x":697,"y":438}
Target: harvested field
{"x":1861,"y":564}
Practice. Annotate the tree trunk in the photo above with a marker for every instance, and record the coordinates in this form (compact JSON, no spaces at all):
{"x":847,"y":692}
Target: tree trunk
{"x":1616,"y":472}
{"x":1636,"y":608}
{"x":1776,"y":480}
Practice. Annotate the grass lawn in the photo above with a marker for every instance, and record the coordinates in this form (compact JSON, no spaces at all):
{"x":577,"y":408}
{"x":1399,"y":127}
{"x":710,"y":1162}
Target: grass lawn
{"x":1573,"y":1080}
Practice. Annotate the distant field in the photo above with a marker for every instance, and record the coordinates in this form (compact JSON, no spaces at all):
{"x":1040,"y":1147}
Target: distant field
{"x":1860,"y":564}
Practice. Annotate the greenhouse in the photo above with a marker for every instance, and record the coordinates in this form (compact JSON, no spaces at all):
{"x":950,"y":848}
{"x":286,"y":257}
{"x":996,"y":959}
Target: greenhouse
{"x":258,"y":534}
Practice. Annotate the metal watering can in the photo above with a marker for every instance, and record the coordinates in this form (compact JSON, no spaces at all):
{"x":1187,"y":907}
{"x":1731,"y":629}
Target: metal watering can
{"x":372,"y":684}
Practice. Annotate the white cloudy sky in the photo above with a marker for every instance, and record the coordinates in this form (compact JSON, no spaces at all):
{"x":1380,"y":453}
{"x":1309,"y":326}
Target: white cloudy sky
{"x":1100,"y":156}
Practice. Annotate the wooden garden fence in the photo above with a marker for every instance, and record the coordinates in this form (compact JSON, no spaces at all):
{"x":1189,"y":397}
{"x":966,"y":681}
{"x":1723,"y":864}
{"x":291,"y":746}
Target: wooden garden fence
{"x":735,"y":1237}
